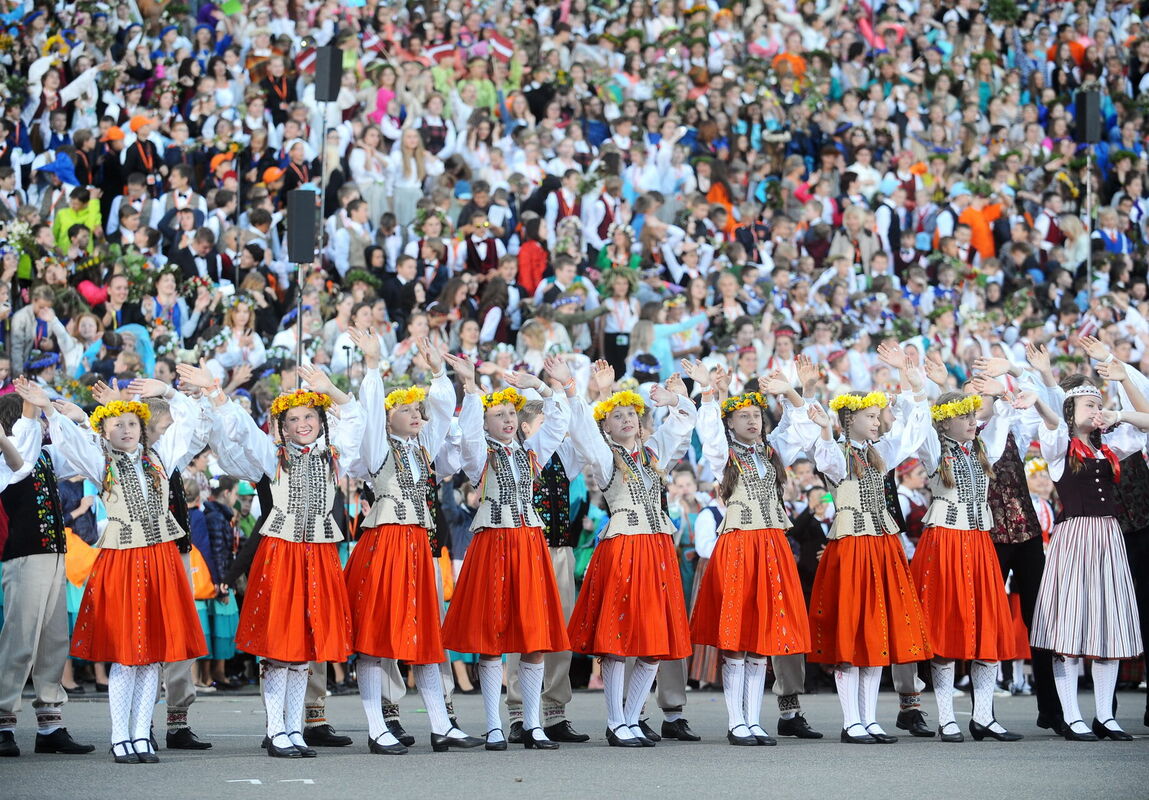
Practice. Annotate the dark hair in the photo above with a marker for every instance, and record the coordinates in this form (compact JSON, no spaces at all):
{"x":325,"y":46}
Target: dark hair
{"x":732,"y":471}
{"x":11,"y":407}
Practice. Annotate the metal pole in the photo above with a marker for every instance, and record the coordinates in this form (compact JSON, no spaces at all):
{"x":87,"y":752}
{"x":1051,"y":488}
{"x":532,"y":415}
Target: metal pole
{"x":320,"y":202}
{"x":1089,"y":217}
{"x":299,"y":322}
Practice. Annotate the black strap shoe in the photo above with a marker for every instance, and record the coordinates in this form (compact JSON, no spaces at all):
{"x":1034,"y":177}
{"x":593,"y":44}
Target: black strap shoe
{"x":275,"y":751}
{"x":638,"y":733}
{"x":396,"y":728}
{"x":741,"y":741}
{"x":531,"y":743}
{"x":122,"y":753}
{"x":680,"y":730}
{"x":441,"y":743}
{"x":515,"y":735}
{"x":798,"y":727}
{"x":613,"y":740}
{"x":304,"y":750}
{"x":564,"y":732}
{"x":60,"y":741}
{"x":498,"y":745}
{"x":954,"y":735}
{"x":397,"y":749}
{"x":764,"y":739}
{"x":184,"y":739}
{"x":914,"y":721}
{"x":979,"y":732}
{"x":1099,"y":730}
{"x":8,"y":746}
{"x":1051,"y":723}
{"x":648,"y":731}
{"x":851,"y":738}
{"x":881,"y":736}
{"x":1073,"y":736}
{"x":325,"y":736}
{"x":146,"y":754}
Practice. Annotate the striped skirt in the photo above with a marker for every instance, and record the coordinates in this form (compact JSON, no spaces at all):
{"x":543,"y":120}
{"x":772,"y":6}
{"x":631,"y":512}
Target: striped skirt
{"x":1086,"y":605}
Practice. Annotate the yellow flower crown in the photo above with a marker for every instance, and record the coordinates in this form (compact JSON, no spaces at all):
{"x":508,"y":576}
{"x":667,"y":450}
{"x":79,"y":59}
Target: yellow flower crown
{"x":1035,"y":465}
{"x":617,"y":399}
{"x":855,"y":403}
{"x":956,"y":408}
{"x":508,"y":395}
{"x":118,"y":408}
{"x":299,"y":398}
{"x":402,"y":397}
{"x":741,"y":401}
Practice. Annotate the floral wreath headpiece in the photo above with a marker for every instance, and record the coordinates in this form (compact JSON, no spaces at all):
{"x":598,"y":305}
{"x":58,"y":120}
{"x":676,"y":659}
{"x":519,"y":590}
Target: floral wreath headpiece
{"x":625,"y":398}
{"x":1035,"y":465}
{"x":732,"y":404}
{"x":300,"y":397}
{"x":118,"y":408}
{"x":956,"y":408}
{"x":220,"y":339}
{"x":852,"y":402}
{"x":402,"y":397}
{"x":507,"y":395}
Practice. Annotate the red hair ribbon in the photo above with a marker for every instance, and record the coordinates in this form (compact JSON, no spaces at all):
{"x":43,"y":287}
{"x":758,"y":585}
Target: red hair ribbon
{"x":1082,"y":452}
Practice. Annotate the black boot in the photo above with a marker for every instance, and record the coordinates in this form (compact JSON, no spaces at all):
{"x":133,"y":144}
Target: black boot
{"x":515,"y":734}
{"x":798,"y":727}
{"x":8,"y":746}
{"x":184,"y":739}
{"x":397,"y":731}
{"x":914,"y":721}
{"x":563,"y":732}
{"x":324,"y":736}
{"x":680,"y":730}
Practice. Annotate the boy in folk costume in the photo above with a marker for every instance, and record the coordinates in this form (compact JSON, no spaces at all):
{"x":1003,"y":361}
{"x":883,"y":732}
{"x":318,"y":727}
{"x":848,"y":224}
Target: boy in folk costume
{"x":391,"y":573}
{"x":506,"y":599}
{"x":864,"y":610}
{"x":138,"y":611}
{"x":298,"y":542}
{"x":750,"y":604}
{"x":632,"y":602}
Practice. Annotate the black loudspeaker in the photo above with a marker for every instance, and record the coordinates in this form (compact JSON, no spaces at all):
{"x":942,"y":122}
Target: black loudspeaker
{"x":301,"y":222}
{"x":328,"y":73}
{"x":1087,"y":106}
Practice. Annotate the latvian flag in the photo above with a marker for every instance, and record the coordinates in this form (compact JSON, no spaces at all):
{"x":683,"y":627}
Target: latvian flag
{"x":373,"y":41}
{"x":502,"y":48}
{"x":444,"y":51}
{"x":305,"y":60}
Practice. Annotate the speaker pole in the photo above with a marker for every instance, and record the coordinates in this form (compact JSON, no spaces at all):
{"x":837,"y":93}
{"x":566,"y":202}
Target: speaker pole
{"x":298,"y":325}
{"x":1089,"y":217}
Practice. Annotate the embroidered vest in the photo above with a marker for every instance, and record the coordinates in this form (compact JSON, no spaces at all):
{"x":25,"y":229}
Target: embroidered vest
{"x":963,"y":506}
{"x":755,"y":503}
{"x":1014,"y":518}
{"x":35,"y":523}
{"x":553,"y":504}
{"x":635,"y":499}
{"x":1133,"y":490}
{"x":303,"y":496}
{"x":178,"y":505}
{"x":860,"y":503}
{"x":136,"y":518}
{"x":504,"y":501}
{"x":400,"y":496}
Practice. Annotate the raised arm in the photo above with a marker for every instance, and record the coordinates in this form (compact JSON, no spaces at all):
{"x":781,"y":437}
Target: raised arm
{"x":827,"y":454}
{"x":671,"y":439}
{"x":556,"y":416}
{"x":189,"y":431}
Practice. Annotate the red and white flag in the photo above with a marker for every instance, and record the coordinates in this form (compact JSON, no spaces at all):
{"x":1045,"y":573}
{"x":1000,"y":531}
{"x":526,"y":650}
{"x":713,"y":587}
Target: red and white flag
{"x":502,"y":48}
{"x":444,"y":51}
{"x":305,"y":60}
{"x":373,"y":41}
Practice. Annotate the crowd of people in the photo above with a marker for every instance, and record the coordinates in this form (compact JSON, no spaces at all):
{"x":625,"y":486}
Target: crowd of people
{"x":714,"y":344}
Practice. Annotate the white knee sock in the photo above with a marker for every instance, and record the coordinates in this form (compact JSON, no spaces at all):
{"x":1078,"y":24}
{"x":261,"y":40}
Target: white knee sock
{"x":143,"y":703}
{"x":293,"y":701}
{"x":121,"y":688}
{"x":614,"y":687}
{"x":733,"y":688}
{"x":943,"y":675}
{"x":754,"y":691}
{"x":491,"y":683}
{"x":274,"y":692}
{"x":531,"y":688}
{"x":983,"y":676}
{"x":430,"y":685}
{"x":370,"y":672}
{"x":1065,"y":678}
{"x":869,"y":681}
{"x":846,"y":678}
{"x":1104,"y":685}
{"x":641,"y":679}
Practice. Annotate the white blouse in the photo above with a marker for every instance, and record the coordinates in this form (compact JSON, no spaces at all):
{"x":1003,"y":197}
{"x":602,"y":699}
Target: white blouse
{"x":669,"y":442}
{"x":911,"y":425}
{"x":791,"y":438}
{"x":376,"y":447}
{"x":556,"y":420}
{"x":1125,"y":440}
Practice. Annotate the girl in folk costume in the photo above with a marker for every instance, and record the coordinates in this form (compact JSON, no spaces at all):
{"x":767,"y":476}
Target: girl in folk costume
{"x":138,"y":611}
{"x":955,"y":565}
{"x":631,"y":602}
{"x":1086,"y":607}
{"x":506,"y":599}
{"x":750,"y":604}
{"x":391,"y":573}
{"x":297,"y":555}
{"x":864,"y":610}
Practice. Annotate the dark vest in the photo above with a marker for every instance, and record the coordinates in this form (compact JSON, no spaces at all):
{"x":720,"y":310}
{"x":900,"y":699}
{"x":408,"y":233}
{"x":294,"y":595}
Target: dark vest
{"x":1089,"y":492}
{"x":35,"y":521}
{"x":893,"y":504}
{"x":178,"y":505}
{"x":1014,"y":518}
{"x":553,"y":502}
{"x":1133,"y":493}
{"x":437,"y":531}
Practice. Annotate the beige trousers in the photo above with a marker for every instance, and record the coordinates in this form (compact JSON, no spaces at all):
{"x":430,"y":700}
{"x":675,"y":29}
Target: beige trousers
{"x":34,"y":638}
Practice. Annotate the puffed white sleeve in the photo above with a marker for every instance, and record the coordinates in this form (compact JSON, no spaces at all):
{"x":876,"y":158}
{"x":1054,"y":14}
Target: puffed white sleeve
{"x":440,"y":412}
{"x":186,"y":437}
{"x":450,"y":458}
{"x":1125,"y":440}
{"x":373,"y":450}
{"x":705,"y":533}
{"x":347,"y":431}
{"x":27,"y":439}
{"x":242,"y":449}
{"x":556,"y":423}
{"x":995,"y":434}
{"x":930,"y":452}
{"x":82,"y":451}
{"x":1054,"y":445}
{"x":912,"y":424}
{"x":715,"y":448}
{"x":473,"y":447}
{"x":829,"y":459}
{"x":795,"y":433}
{"x":568,"y":453}
{"x":672,"y":438}
{"x":591,"y":445}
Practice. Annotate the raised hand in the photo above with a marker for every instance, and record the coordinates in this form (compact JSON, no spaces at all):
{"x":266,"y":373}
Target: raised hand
{"x":983,"y":384}
{"x":558,"y":370}
{"x":912,"y":373}
{"x":675,"y":384}
{"x":104,"y":394}
{"x":993,"y":367}
{"x":32,"y":393}
{"x":462,"y":366}
{"x":1025,"y":400}
{"x":697,"y":372}
{"x":808,"y":372}
{"x":199,"y":377}
{"x":1038,"y":357}
{"x":317,"y":379}
{"x":523,"y":380}
{"x":662,"y":397}
{"x":71,"y":411}
{"x":1113,"y":370}
{"x":774,"y":383}
{"x":818,"y":415}
{"x":1107,"y":419}
{"x":891,"y":354}
{"x":368,"y":344}
{"x":602,"y":376}
{"x":722,"y":381}
{"x":1094,"y":347}
{"x":431,"y":354}
{"x":147,"y":387}
{"x":935,"y":368}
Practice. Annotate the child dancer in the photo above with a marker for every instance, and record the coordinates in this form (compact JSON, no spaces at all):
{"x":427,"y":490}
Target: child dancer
{"x":506,"y":599}
{"x":391,"y":572}
{"x":631,"y":603}
{"x":750,"y":604}
{"x":864,"y":610}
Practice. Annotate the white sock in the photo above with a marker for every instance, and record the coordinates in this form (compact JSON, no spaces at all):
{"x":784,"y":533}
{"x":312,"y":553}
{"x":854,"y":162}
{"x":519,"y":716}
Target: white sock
{"x":733,"y":688}
{"x":143,"y":702}
{"x":753,"y":693}
{"x":641,"y":679}
{"x":370,"y":672}
{"x":293,"y":701}
{"x":531,"y":688}
{"x":430,"y":685}
{"x":672,"y":716}
{"x":274,"y":691}
{"x":983,"y":675}
{"x":1065,"y":678}
{"x":943,"y":675}
{"x":869,"y":681}
{"x":614,"y":687}
{"x":1018,"y":681}
{"x":491,"y":683}
{"x":846,"y":678}
{"x":1104,"y":685}
{"x":121,"y":688}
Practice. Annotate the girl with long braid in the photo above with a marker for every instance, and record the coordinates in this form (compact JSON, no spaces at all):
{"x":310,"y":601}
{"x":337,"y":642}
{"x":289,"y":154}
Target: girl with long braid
{"x":391,"y":572}
{"x":138,"y":611}
{"x":864,"y":608}
{"x":750,"y":604}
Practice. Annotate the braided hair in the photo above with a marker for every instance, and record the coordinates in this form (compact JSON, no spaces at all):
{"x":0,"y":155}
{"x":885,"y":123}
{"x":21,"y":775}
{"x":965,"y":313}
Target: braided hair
{"x":153,"y":473}
{"x":945,"y":467}
{"x":644,"y":458}
{"x":853,"y":470}
{"x":1068,"y":409}
{"x":731,"y":472}
{"x":328,"y":453}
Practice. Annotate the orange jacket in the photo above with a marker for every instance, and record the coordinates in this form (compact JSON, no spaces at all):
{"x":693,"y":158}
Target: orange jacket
{"x":981,"y":227}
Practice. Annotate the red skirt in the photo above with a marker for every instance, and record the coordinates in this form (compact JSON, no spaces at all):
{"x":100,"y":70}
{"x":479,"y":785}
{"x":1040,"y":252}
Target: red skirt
{"x":631,"y":602}
{"x":751,"y":598}
{"x":138,"y":609}
{"x":1020,"y":632}
{"x":506,"y":599}
{"x":296,"y":608}
{"x":864,"y":608}
{"x":394,"y":602}
{"x":963,"y":597}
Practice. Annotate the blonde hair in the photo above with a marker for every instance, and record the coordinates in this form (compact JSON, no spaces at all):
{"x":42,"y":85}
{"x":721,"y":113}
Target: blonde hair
{"x":945,"y":467}
{"x":845,"y":414}
{"x":418,"y":155}
{"x":641,"y":338}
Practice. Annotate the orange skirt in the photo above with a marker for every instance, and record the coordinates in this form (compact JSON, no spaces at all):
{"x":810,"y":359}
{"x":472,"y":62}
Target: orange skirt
{"x":506,"y":599}
{"x":864,"y":608}
{"x":296,"y":608}
{"x":963,"y":597}
{"x":631,"y":602}
{"x":394,"y":602}
{"x":751,"y":598}
{"x":138,"y":609}
{"x":1020,"y":632}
